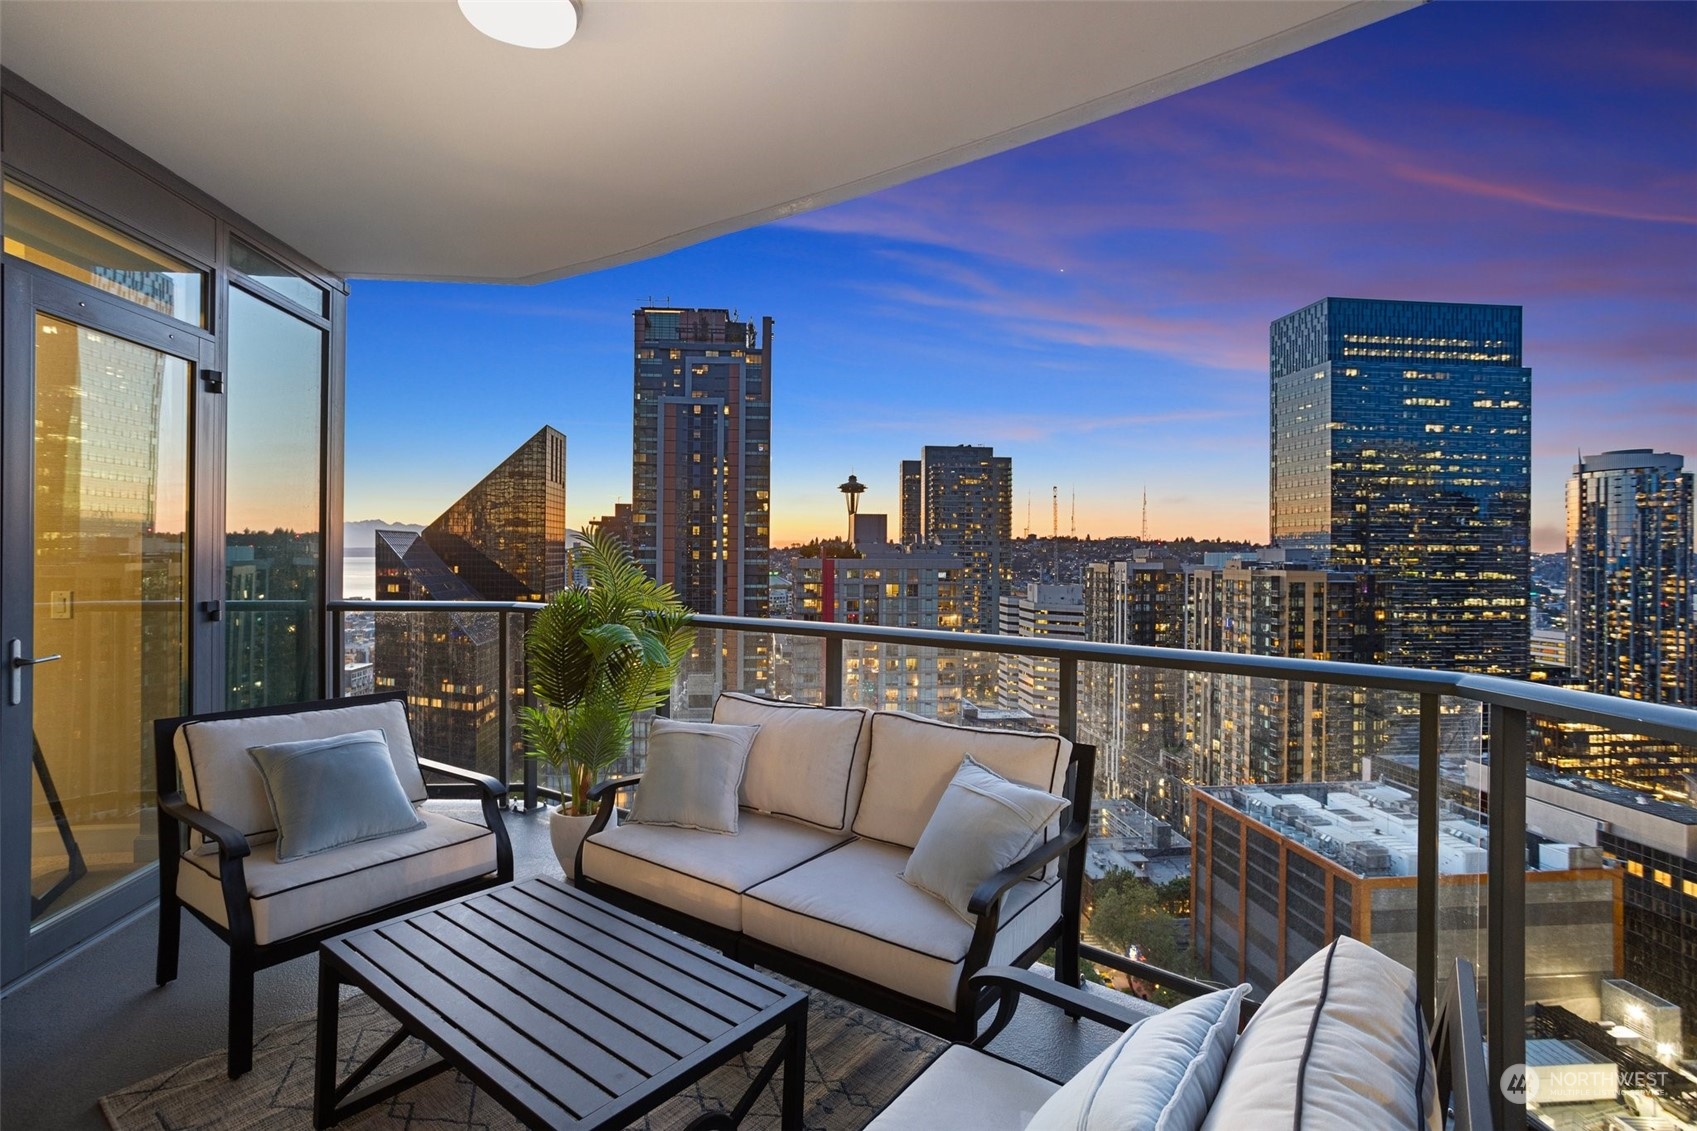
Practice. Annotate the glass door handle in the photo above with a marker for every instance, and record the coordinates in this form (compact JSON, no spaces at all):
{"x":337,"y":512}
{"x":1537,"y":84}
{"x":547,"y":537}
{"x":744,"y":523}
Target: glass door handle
{"x":18,"y":662}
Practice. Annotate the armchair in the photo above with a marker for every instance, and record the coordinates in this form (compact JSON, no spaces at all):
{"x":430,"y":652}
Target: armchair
{"x":216,"y":836}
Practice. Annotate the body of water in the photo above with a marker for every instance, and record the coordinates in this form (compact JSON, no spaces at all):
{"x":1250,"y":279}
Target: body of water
{"x":359,"y":576}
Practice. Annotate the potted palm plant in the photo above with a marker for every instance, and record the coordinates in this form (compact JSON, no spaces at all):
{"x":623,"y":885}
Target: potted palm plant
{"x":597,"y":655}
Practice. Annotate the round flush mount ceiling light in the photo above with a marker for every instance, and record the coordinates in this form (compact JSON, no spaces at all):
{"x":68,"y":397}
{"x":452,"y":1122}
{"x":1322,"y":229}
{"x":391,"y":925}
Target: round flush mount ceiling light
{"x":524,"y":23}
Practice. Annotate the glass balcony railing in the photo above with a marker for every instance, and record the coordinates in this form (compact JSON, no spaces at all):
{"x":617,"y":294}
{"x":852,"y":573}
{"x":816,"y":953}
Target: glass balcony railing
{"x":1271,"y":804}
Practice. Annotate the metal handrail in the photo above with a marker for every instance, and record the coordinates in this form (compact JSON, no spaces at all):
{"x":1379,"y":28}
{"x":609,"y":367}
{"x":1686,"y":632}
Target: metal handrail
{"x":1511,"y":703}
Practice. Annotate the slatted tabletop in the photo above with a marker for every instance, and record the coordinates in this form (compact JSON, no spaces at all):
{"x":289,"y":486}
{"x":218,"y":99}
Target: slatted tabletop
{"x":571,"y":1013}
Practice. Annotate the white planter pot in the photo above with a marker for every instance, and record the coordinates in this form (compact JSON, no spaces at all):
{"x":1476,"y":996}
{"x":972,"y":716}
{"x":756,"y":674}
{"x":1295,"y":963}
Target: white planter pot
{"x":567,"y":832}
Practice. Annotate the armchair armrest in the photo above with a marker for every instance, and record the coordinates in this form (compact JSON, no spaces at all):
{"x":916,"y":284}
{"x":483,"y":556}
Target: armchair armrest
{"x":1011,"y":983}
{"x":607,"y":787}
{"x":490,"y":786}
{"x":992,"y":889}
{"x":232,"y":844}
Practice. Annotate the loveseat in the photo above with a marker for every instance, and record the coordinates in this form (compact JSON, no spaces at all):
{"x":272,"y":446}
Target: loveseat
{"x":1340,"y":1045}
{"x":832,"y":803}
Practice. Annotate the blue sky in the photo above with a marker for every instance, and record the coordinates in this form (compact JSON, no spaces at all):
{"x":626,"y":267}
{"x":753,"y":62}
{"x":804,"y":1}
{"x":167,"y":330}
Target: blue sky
{"x":1096,"y":304}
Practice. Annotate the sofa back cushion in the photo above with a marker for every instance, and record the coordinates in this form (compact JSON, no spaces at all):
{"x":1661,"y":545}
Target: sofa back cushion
{"x":1340,"y":1044}
{"x":219,"y":776}
{"x":807,"y":763}
{"x":913,"y":760}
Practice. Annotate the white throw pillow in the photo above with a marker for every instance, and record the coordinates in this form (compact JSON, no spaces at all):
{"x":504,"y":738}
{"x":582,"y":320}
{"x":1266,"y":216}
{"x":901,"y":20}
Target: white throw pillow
{"x":983,"y":823}
{"x":1160,"y":1076}
{"x":692,"y":776}
{"x":1339,"y":1045}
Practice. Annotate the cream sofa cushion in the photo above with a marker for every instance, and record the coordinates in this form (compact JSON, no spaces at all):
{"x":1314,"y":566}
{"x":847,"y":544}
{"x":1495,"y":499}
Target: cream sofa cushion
{"x":219,"y":777}
{"x":808,"y":763}
{"x":1339,"y":1045}
{"x":303,"y":895}
{"x":850,"y":909}
{"x":965,"y":1088}
{"x":702,"y":873}
{"x":913,"y":760}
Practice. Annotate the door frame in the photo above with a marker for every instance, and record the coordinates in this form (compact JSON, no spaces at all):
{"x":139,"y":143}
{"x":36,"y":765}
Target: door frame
{"x":28,"y":290}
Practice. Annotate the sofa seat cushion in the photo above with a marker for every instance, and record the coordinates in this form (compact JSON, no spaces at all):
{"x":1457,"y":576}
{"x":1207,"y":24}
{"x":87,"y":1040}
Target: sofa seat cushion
{"x":298,"y":896}
{"x":851,"y":909}
{"x":807,"y":763}
{"x":220,"y":777}
{"x":912,"y":761}
{"x":702,"y":873}
{"x":1339,"y":1045}
{"x":967,"y":1088}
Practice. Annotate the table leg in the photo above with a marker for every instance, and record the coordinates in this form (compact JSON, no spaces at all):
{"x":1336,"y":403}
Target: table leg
{"x":324,"y":1067}
{"x":795,"y":1068}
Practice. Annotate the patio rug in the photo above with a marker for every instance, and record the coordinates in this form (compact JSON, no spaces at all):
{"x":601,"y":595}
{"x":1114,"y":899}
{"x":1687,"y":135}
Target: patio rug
{"x":856,"y":1063}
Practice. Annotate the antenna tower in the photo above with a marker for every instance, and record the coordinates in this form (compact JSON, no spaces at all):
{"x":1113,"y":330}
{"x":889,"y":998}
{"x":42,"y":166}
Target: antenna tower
{"x":1075,"y":514}
{"x":1028,"y":514}
{"x":1145,"y":535}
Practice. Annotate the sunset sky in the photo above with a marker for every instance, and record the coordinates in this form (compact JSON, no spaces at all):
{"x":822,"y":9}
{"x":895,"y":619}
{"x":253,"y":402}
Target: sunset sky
{"x":1095,"y":305}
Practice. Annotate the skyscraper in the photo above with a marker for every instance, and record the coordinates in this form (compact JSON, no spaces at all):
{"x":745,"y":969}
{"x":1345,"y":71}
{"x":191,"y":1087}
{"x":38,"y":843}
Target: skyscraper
{"x":1033,"y":683}
{"x":911,"y":494}
{"x":965,"y":508}
{"x":504,"y":540}
{"x":1629,"y":570}
{"x":701,"y":477}
{"x":1401,"y":447}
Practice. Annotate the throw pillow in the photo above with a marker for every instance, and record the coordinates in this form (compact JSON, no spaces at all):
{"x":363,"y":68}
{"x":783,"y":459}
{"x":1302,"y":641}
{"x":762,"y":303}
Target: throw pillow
{"x":328,"y":792}
{"x":1160,"y":1076}
{"x":694,"y":771}
{"x":983,"y":823}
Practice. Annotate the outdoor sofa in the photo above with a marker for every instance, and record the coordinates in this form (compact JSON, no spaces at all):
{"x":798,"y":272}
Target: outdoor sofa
{"x":833,"y":802}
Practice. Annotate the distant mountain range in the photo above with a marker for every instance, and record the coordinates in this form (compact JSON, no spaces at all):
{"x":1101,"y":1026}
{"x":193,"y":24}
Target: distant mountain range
{"x":360,"y":538}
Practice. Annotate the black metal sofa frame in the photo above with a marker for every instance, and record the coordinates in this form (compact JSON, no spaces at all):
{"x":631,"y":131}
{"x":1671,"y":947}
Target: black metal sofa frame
{"x":177,"y":816}
{"x":971,"y":1000}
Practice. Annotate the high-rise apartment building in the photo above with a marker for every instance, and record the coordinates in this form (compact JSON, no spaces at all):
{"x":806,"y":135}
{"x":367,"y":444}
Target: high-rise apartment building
{"x":701,"y":480}
{"x":887,"y":585}
{"x":1133,"y":714}
{"x":1629,"y":545}
{"x":965,"y":507}
{"x":1033,"y":683}
{"x":1252,"y":729}
{"x":912,"y":500}
{"x":1401,"y":447}
{"x":504,"y":540}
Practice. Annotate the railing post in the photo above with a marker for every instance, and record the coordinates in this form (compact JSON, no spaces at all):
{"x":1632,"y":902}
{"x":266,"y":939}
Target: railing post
{"x":530,"y":767}
{"x":1426,"y":893}
{"x":505,"y":717}
{"x":338,"y":654}
{"x":1068,"y":721}
{"x":1505,"y":912}
{"x":833,"y":671}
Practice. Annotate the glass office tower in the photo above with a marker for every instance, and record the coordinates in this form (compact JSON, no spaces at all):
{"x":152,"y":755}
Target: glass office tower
{"x":1629,"y":570}
{"x":1401,"y":447}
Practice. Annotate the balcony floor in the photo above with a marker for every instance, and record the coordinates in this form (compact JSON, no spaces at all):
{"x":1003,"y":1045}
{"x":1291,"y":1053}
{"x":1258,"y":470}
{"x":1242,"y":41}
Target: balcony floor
{"x":96,"y":1022}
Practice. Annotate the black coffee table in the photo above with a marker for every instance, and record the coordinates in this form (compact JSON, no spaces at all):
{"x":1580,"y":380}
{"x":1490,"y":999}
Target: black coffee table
{"x":569,"y":1012}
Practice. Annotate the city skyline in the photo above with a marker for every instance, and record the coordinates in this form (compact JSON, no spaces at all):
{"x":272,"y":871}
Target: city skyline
{"x":1095,"y":305}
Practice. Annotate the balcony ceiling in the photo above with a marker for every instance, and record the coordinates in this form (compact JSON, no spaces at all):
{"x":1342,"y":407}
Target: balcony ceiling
{"x":391,"y":140}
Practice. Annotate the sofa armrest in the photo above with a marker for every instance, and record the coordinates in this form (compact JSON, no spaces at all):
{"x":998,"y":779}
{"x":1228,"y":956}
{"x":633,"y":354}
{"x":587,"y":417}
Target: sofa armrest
{"x":604,"y":790}
{"x":232,"y":843}
{"x":490,"y":786}
{"x":1010,"y":983}
{"x":999,"y":884}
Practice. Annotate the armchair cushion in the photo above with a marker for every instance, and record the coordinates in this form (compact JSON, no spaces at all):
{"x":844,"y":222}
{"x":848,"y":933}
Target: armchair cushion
{"x":327,"y":792}
{"x":219,"y":776}
{"x":808,"y":763}
{"x":290,"y":898}
{"x":983,"y":823}
{"x":693,"y":774}
{"x":1340,"y":1044}
{"x":1160,"y":1076}
{"x":692,"y":872}
{"x":967,"y":1088}
{"x":850,"y":909}
{"x":913,"y":760}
